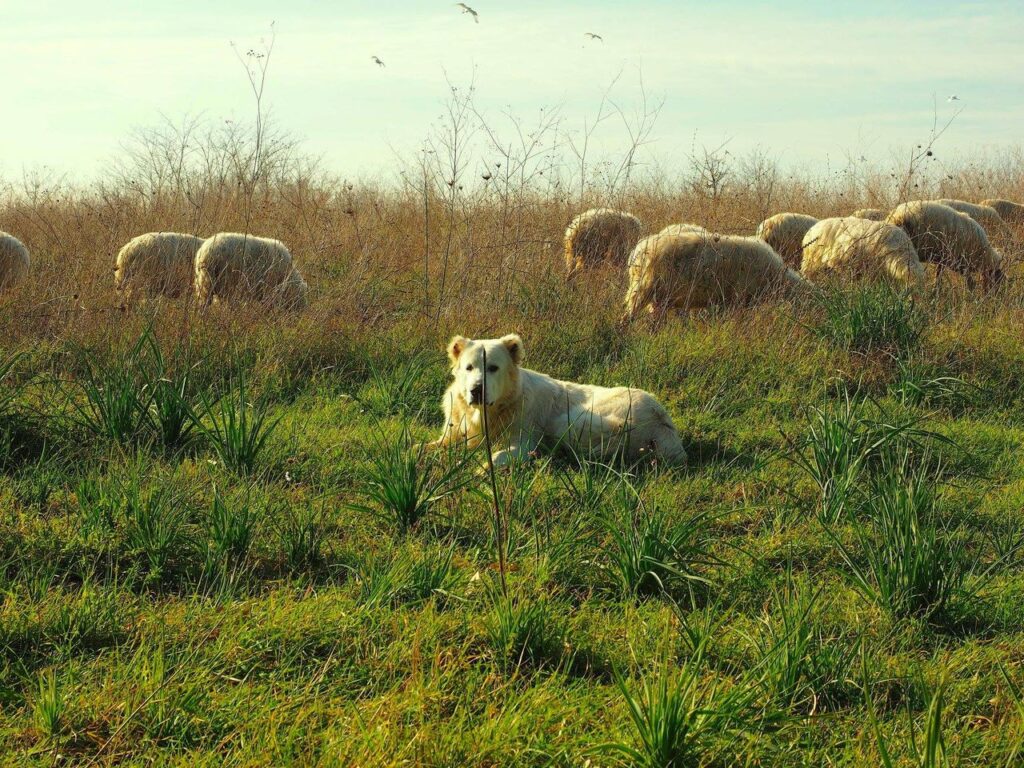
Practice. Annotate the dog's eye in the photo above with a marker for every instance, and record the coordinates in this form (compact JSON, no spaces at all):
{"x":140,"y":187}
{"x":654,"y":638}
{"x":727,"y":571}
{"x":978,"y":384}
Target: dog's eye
{"x":492,"y":368}
{"x":469,"y":367}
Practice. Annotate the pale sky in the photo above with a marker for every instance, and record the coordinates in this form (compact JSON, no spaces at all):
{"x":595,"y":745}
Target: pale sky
{"x":809,"y":81}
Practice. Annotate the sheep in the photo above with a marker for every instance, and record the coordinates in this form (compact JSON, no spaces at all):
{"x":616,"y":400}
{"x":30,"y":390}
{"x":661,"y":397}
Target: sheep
{"x":694,"y":270}
{"x":950,"y":239}
{"x":672,"y":229}
{"x":868,"y":249}
{"x":1012,"y":213}
{"x":871,"y":214}
{"x":600,"y":234}
{"x":14,"y":261}
{"x":237,"y":266}
{"x":784,"y":232}
{"x":996,"y":228}
{"x":156,"y":264}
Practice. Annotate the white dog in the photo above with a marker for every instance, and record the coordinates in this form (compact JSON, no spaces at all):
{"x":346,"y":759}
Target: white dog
{"x":525,"y":408}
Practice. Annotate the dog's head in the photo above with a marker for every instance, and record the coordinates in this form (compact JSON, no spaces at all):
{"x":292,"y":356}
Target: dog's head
{"x":485,"y":367}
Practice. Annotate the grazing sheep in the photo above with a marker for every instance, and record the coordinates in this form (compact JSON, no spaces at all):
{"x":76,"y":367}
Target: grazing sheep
{"x":694,"y":270}
{"x":1012,"y":213}
{"x":785,"y":232}
{"x":673,"y":229}
{"x":950,"y":239}
{"x":996,"y":228}
{"x":864,"y":248}
{"x":600,"y":234}
{"x":871,"y":214}
{"x":245,"y":267}
{"x":14,"y":260}
{"x":156,"y":264}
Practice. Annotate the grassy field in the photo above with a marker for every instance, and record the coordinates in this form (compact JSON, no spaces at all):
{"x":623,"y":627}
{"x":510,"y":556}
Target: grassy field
{"x":219,"y":545}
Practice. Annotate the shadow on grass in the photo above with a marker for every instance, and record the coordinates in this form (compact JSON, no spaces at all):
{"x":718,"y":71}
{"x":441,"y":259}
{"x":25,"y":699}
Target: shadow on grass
{"x":22,"y":442}
{"x":705,"y":453}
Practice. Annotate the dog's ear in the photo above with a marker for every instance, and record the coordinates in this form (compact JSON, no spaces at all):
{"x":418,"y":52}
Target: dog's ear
{"x":455,"y":347}
{"x":514,"y":345}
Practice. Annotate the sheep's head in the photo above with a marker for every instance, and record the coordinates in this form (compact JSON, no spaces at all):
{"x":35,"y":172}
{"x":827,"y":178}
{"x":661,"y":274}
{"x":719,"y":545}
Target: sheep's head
{"x":993,"y":278}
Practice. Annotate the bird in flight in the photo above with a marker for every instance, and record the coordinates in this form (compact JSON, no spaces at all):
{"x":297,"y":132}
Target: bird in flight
{"x":592,"y":36}
{"x":376,"y":60}
{"x":466,"y":9}
{"x":953,"y":98}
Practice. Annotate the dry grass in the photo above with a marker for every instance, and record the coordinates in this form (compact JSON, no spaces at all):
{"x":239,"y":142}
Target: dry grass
{"x":474,"y":254}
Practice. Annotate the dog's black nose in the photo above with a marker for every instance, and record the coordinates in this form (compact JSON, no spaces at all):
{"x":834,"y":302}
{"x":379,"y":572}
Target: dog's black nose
{"x":477,"y":393}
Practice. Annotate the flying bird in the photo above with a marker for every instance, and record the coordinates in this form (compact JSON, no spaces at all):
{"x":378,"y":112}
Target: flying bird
{"x":466,"y":9}
{"x":953,"y":98}
{"x":377,"y":61}
{"x":592,"y":36}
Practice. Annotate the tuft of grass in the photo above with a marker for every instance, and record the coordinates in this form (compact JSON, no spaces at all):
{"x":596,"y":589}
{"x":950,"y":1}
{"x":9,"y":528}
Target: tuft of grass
{"x":170,"y":706}
{"x":99,"y":502}
{"x":114,"y":398}
{"x":39,"y":481}
{"x":646,"y":555}
{"x":302,"y":531}
{"x":38,"y":578}
{"x":406,"y":579}
{"x":870,"y":318}
{"x":918,"y":384}
{"x":49,"y":706}
{"x":926,"y":747}
{"x":524,"y":631}
{"x":842,"y":444}
{"x":171,"y":406}
{"x":678,"y":717}
{"x":591,"y":486}
{"x":402,"y":481}
{"x":431,"y":576}
{"x":237,"y":428}
{"x":800,"y":668}
{"x":232,"y":528}
{"x":380,"y":580}
{"x":398,"y":391}
{"x":908,"y":563}
{"x":154,"y":527}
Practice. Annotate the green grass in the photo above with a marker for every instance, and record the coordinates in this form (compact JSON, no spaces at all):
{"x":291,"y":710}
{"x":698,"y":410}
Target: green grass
{"x":238,"y":427}
{"x":207,"y":558}
{"x":870,"y":319}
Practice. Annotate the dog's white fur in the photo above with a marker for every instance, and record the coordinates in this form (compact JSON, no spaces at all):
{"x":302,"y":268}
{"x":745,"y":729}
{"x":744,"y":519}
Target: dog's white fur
{"x":525,"y":408}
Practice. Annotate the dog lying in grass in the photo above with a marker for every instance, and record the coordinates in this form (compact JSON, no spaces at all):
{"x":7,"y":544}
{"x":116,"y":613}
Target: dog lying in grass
{"x":525,"y":409}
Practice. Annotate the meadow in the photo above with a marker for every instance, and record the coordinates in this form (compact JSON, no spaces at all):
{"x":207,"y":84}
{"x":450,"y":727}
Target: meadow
{"x":220,"y":545}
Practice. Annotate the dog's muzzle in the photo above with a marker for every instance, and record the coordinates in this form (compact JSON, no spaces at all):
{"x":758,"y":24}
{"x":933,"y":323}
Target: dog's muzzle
{"x":476,"y":395}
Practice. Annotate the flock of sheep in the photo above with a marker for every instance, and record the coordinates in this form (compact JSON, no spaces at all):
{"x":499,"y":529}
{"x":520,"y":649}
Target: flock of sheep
{"x":684,"y":266}
{"x":225,"y":267}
